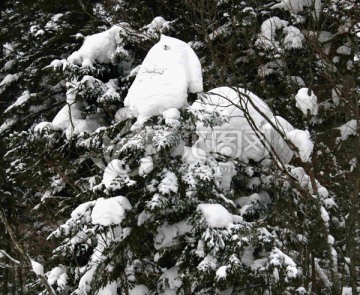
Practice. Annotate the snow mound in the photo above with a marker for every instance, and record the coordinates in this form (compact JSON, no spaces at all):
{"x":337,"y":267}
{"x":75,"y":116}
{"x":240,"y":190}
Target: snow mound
{"x":253,"y":202}
{"x":167,"y":233}
{"x":146,"y":165}
{"x":9,"y":78}
{"x":275,"y":139}
{"x":114,"y":169}
{"x":236,"y":138}
{"x":71,"y":121}
{"x":217,"y":216}
{"x":157,"y":25}
{"x":294,"y":6}
{"x":99,"y":48}
{"x":55,"y":274}
{"x":25,"y":96}
{"x":139,"y":290}
{"x":110,"y":211}
{"x":109,"y":289}
{"x":306,"y":102}
{"x":267,"y":39}
{"x":301,"y":139}
{"x":170,"y":70}
{"x":37,"y":268}
{"x":348,"y":129}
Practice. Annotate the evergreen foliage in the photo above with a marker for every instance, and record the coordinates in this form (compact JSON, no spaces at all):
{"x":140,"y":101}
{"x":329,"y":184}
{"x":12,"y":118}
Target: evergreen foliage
{"x":111,"y":206}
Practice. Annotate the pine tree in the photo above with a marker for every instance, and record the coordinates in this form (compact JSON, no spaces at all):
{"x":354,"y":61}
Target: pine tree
{"x":157,"y":204}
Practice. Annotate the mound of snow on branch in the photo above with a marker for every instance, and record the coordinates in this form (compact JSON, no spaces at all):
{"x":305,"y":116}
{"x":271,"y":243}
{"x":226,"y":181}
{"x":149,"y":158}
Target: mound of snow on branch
{"x":110,"y":211}
{"x":348,"y":129}
{"x":170,"y":70}
{"x":267,"y":39}
{"x":249,"y":132}
{"x":306,"y":101}
{"x":97,"y":48}
{"x":217,"y":216}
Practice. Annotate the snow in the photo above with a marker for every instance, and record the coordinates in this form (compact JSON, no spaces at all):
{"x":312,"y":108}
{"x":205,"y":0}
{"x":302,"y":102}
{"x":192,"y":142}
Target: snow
{"x":346,"y":291}
{"x":209,"y":262}
{"x":139,"y":290}
{"x":166,"y":233}
{"x":168,"y":184}
{"x":37,"y":268}
{"x":170,"y":276}
{"x":157,"y":25}
{"x":25,"y":96}
{"x":9,"y":78}
{"x":43,"y":125}
{"x":123,"y":114}
{"x":4,"y":254}
{"x":306,"y":102}
{"x":325,"y":216}
{"x":348,"y":129}
{"x":344,"y":50}
{"x":330,"y":240}
{"x":110,"y":211}
{"x":221,"y":272}
{"x":236,"y":138}
{"x":113,"y":169}
{"x":51,"y":25}
{"x":172,"y":116}
{"x":70,"y":120}
{"x":191,"y":155}
{"x":228,"y":171}
{"x":109,"y":289}
{"x":82,"y":208}
{"x":146,"y":165}
{"x":266,"y":38}
{"x":55,"y":274}
{"x":254,"y":201}
{"x":85,"y":281}
{"x":9,"y":65}
{"x":278,"y":258}
{"x":293,"y":38}
{"x":217,"y":216}
{"x":170,"y":70}
{"x":98,"y":48}
{"x":294,"y":6}
{"x":275,"y":138}
{"x":301,"y":139}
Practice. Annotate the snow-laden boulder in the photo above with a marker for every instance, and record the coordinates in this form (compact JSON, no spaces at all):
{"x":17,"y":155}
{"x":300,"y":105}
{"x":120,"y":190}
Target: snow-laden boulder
{"x":170,"y":70}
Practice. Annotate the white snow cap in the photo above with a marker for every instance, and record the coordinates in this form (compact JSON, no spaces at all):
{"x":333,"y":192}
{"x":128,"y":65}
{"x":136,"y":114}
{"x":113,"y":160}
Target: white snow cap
{"x":217,"y":216}
{"x":97,"y":48}
{"x":236,"y":138}
{"x":25,"y":96}
{"x":306,"y":102}
{"x":38,"y":269}
{"x":72,"y":122}
{"x":139,"y":290}
{"x":110,"y":211}
{"x":114,"y":169}
{"x":9,"y":78}
{"x":170,"y":70}
{"x":348,"y":129}
{"x":301,"y":139}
